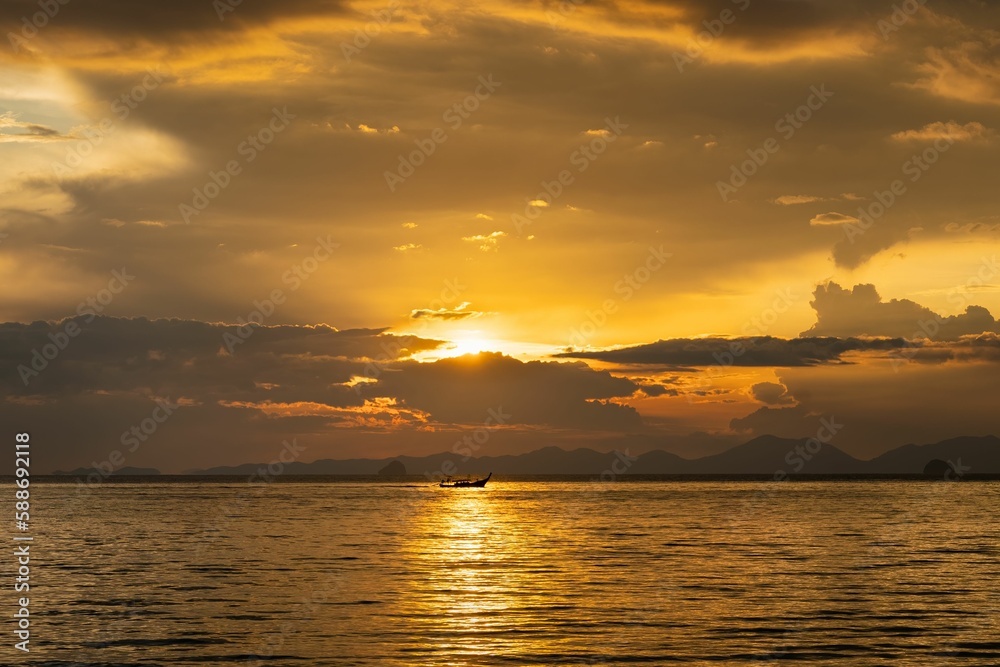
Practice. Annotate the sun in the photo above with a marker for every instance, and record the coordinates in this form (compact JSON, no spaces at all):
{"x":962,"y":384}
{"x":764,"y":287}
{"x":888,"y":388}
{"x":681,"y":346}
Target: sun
{"x":471,"y":343}
{"x":462,"y":342}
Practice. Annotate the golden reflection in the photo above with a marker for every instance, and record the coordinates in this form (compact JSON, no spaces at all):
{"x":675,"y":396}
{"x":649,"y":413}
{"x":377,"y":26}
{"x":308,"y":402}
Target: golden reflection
{"x":458,"y":543}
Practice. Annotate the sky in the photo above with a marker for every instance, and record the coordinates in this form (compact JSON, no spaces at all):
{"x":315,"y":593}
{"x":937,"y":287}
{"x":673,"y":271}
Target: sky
{"x":373,"y":227}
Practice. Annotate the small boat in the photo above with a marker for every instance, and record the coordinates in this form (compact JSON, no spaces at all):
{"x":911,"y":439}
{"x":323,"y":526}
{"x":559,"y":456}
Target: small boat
{"x":448,"y":482}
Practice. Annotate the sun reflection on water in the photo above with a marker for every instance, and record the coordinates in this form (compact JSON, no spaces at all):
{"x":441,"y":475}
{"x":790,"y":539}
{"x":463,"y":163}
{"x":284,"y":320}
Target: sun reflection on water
{"x":523,"y":573}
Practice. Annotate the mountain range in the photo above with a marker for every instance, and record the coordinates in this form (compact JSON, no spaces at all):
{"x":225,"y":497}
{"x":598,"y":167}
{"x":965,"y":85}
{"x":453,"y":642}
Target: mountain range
{"x":764,"y":455}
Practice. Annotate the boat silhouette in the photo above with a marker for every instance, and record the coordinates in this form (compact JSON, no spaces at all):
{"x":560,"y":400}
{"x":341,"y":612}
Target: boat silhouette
{"x":448,"y":482}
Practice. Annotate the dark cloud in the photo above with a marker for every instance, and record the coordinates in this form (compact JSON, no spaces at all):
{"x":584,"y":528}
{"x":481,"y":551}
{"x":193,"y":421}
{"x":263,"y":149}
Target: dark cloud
{"x":653,"y":389}
{"x":124,"y":19}
{"x":848,"y":321}
{"x":11,"y":130}
{"x":747,"y":351}
{"x":771,"y":393}
{"x":199,"y":360}
{"x":767,"y":19}
{"x":39,"y":130}
{"x":831,"y":218}
{"x":881,"y":408}
{"x":862,"y":312}
{"x":91,"y":379}
{"x":983,"y":347}
{"x":313,"y":381}
{"x":464,"y":389}
{"x":855,"y":249}
{"x":457,"y":313}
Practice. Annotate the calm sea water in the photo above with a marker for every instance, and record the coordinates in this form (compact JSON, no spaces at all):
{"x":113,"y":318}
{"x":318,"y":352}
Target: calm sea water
{"x":519,"y":573}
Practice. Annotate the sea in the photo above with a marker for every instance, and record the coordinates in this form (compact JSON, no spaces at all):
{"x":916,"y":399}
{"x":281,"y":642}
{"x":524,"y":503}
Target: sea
{"x":553,"y":571}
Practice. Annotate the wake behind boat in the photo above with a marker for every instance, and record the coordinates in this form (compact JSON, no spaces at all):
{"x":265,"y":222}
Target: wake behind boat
{"x":450,"y":483}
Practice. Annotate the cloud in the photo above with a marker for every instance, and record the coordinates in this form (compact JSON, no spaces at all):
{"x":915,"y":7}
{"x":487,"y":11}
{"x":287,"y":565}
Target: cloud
{"x":771,"y":393}
{"x":746,"y":351}
{"x":984,"y":225}
{"x":851,"y":252}
{"x":848,"y":321}
{"x":111,"y":373}
{"x":832,"y":218}
{"x":983,"y":347}
{"x":464,"y":389}
{"x":950,"y":131}
{"x":311,"y":178}
{"x":792,"y":200}
{"x":308,"y":167}
{"x":969,"y":72}
{"x":880,"y":408}
{"x":308,"y":378}
{"x":457,"y":313}
{"x":191,"y":358}
{"x":487,"y":242}
{"x":25,"y":132}
{"x":862,"y":312}
{"x":653,"y":389}
{"x":181,"y":18}
{"x":367,"y":129}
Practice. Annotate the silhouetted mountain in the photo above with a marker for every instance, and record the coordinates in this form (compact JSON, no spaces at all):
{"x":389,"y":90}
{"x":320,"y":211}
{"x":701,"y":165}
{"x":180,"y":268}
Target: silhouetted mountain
{"x":320,"y":467}
{"x":121,"y":472}
{"x":546,"y":461}
{"x":395,"y":467}
{"x":659,"y":462}
{"x":764,"y":455}
{"x":767,"y":454}
{"x":967,"y":454}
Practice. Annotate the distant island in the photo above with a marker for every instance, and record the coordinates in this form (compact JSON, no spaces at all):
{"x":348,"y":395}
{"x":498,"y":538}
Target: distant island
{"x":127,"y":471}
{"x":765,"y":455}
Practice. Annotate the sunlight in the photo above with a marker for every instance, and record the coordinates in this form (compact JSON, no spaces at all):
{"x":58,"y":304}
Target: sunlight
{"x":457,"y":539}
{"x":473,"y":341}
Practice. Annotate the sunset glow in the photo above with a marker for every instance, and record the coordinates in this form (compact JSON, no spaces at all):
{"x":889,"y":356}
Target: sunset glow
{"x":669,"y":225}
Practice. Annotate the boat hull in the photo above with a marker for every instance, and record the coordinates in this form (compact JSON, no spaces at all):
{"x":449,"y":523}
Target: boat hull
{"x":474,"y":484}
